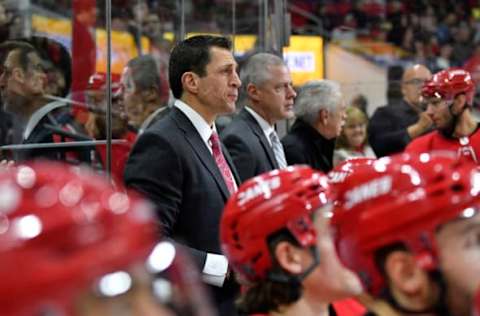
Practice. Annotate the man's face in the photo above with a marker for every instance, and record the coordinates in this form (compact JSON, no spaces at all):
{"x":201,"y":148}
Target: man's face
{"x":439,"y":112}
{"x":330,"y":279}
{"x":412,"y":82}
{"x":218,"y":89}
{"x":17,"y":84}
{"x":459,"y":256}
{"x":276,"y":96}
{"x":336,"y":120}
{"x":132,"y":100}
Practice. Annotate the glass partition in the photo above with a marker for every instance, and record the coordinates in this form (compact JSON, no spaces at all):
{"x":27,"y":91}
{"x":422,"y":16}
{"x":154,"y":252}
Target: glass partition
{"x":71,"y":39}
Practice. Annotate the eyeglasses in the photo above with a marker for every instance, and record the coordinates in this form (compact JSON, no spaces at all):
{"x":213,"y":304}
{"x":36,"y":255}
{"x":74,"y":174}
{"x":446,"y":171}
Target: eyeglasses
{"x":415,"y":82}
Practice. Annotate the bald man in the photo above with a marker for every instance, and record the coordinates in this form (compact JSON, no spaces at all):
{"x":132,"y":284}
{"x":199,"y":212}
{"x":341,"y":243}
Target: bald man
{"x":393,"y":126}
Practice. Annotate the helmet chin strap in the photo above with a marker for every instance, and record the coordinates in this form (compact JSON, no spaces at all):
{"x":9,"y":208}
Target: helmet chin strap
{"x":449,"y":130}
{"x":284,"y":277}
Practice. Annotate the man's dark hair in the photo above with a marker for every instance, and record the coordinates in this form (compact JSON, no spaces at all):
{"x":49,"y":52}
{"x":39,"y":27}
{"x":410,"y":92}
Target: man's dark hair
{"x":23,"y":49}
{"x":269,"y":295}
{"x":192,"y":54}
{"x":145,"y":73}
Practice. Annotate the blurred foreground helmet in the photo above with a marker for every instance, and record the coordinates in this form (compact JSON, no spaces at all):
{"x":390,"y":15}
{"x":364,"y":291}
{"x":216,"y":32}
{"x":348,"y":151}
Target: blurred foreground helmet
{"x":347,"y":167}
{"x":400,"y":199}
{"x":71,"y":244}
{"x":449,"y":83}
{"x":264,"y":205}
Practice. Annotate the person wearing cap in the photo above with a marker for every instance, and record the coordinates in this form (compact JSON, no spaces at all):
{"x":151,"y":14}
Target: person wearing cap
{"x":72,"y":244}
{"x":275,"y":233}
{"x":449,"y":96}
{"x":408,"y":225}
{"x":96,"y":123}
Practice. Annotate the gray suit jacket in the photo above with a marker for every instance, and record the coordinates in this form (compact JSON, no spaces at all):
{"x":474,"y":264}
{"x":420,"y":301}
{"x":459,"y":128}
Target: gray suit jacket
{"x":250,"y":150}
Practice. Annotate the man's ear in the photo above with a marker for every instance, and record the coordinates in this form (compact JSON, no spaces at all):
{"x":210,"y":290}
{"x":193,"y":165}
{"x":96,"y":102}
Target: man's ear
{"x":150,"y":95}
{"x":190,"y":82}
{"x":18,"y":74}
{"x":289,"y":257}
{"x":404,"y":273}
{"x":253,"y":92}
{"x":323,"y":117}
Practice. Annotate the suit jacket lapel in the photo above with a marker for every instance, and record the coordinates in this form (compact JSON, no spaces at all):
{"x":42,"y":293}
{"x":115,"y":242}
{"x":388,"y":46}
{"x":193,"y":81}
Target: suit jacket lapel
{"x":200,"y":149}
{"x":257,"y":130}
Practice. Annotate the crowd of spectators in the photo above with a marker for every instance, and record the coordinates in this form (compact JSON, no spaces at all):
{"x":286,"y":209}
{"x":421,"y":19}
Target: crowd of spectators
{"x":438,"y":34}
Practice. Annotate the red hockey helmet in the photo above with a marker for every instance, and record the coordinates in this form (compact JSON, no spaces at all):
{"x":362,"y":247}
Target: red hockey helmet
{"x":402,"y":199}
{"x":347,"y":167}
{"x":98,"y":82}
{"x":61,"y":229}
{"x":264,"y":205}
{"x":449,"y":83}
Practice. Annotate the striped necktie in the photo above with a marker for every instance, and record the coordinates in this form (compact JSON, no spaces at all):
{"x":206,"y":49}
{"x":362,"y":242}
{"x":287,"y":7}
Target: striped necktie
{"x":278,"y":150}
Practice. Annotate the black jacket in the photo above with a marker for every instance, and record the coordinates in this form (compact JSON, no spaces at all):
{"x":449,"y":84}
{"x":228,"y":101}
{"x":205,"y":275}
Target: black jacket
{"x":387,"y":130}
{"x":304,"y":145}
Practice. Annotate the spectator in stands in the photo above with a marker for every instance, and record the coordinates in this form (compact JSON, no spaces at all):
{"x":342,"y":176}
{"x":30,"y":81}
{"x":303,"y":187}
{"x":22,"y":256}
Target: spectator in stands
{"x":393,"y":126}
{"x":96,"y":97}
{"x":353,"y":141}
{"x":462,"y":47}
{"x":143,"y":99}
{"x":251,"y":138}
{"x":320,"y":113}
{"x":96,"y":124}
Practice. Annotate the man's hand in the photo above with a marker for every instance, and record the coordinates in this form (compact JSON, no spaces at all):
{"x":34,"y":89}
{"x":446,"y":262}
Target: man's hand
{"x":423,"y":124}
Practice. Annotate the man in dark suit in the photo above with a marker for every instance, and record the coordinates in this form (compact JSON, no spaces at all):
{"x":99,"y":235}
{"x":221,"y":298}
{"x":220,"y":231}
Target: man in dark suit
{"x":177,"y":162}
{"x":320,"y":112}
{"x":269,"y":96}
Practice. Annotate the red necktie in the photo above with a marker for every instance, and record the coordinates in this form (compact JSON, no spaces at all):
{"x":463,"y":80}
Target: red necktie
{"x":222,"y":163}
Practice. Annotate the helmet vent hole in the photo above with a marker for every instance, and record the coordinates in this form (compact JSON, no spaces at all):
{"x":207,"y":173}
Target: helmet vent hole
{"x":257,"y":257}
{"x":457,"y":187}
